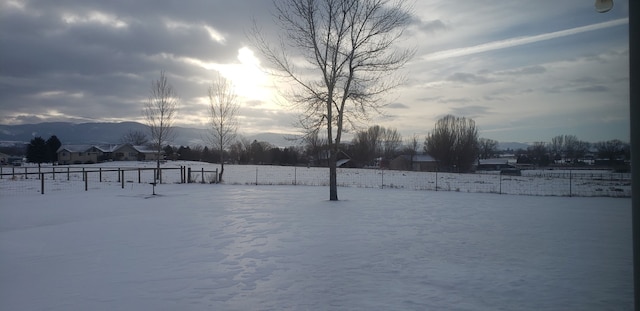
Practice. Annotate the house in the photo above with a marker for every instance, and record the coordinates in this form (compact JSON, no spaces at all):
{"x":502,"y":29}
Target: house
{"x":77,"y":154}
{"x":421,"y":162}
{"x":86,"y":154}
{"x":493,"y":164}
{"x":128,"y":152}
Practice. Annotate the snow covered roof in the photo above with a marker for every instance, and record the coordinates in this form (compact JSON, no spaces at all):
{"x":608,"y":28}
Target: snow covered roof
{"x":75,"y":148}
{"x":496,"y":161}
{"x":423,"y":158}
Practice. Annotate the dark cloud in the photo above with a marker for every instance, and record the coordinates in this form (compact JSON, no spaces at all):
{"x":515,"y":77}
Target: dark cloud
{"x":429,"y":26}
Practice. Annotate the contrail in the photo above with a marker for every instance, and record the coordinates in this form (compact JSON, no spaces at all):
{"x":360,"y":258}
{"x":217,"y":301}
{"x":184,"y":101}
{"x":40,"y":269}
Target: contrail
{"x":511,"y":42}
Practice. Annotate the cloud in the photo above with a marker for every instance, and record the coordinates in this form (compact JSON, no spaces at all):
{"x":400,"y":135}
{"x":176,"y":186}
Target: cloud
{"x":531,"y":70}
{"x":469,"y":78}
{"x":397,"y":106}
{"x":470,"y":111}
{"x":593,"y":89}
{"x":429,"y":26}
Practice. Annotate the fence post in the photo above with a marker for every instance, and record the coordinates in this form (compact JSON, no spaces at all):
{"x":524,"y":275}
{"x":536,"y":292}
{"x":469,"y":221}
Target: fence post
{"x":84,"y":175}
{"x":118,"y":174}
{"x":54,"y":173}
{"x":570,"y":184}
{"x":86,"y":180}
{"x":122,"y":179}
{"x":256,"y":176}
{"x":26,"y":176}
{"x":500,"y":189}
{"x":189,"y":175}
{"x":68,"y":173}
{"x":41,"y":183}
{"x":100,"y":174}
{"x":216,"y":179}
{"x":382,"y":178}
{"x":159,"y":175}
{"x":138,"y":175}
{"x":436,"y":179}
{"x":202,"y":174}
{"x":13,"y":172}
{"x":295,"y":175}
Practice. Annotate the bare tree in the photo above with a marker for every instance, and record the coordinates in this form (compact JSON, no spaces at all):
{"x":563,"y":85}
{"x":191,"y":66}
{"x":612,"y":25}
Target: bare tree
{"x":160,"y":113}
{"x":391,"y":142}
{"x":610,"y":150}
{"x":223,"y":124}
{"x":454,"y":143}
{"x":349,"y":46}
{"x":134,"y":137}
{"x":557,"y":147}
{"x":411,"y":148}
{"x":574,"y":148}
{"x":488,"y":148}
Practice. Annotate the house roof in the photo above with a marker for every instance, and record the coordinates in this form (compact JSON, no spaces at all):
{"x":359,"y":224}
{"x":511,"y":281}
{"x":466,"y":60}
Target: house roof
{"x":494,"y":161}
{"x":103,"y":148}
{"x":74,"y":148}
{"x":423,"y":158}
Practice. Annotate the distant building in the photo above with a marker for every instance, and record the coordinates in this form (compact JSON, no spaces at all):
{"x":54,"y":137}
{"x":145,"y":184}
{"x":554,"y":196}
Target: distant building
{"x":86,"y":154}
{"x":421,"y":162}
{"x":496,"y":164}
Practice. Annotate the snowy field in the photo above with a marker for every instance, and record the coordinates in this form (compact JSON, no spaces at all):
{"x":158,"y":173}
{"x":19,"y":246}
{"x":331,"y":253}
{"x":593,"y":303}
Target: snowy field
{"x":247,"y":247}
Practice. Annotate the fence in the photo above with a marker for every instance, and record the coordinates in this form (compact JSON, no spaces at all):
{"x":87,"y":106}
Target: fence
{"x":541,"y":183}
{"x":52,"y":178}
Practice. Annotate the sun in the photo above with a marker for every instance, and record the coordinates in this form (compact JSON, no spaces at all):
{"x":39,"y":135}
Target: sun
{"x":249,"y":80}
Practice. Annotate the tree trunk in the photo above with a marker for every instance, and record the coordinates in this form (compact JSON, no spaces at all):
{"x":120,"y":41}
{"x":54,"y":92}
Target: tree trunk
{"x":333,"y":175}
{"x":157,"y":177}
{"x":221,"y":171}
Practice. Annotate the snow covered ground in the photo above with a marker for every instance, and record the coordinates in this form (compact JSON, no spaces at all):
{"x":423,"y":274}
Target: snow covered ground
{"x":245,"y":247}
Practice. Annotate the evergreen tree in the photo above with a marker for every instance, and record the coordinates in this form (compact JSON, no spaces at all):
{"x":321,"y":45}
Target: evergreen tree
{"x":37,"y":151}
{"x":53,"y":144}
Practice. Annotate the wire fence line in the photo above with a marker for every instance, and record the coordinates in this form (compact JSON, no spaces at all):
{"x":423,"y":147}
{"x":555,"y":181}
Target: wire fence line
{"x":17,"y":180}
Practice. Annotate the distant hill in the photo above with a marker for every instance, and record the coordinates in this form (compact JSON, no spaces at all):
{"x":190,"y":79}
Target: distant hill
{"x":111,"y":133}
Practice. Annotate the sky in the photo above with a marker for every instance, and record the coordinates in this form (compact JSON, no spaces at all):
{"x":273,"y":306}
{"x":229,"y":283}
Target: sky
{"x":524,"y":71}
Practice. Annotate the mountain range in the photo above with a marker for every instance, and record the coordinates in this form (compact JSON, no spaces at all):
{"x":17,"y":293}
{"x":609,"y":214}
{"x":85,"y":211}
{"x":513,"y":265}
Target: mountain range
{"x":112,"y":133}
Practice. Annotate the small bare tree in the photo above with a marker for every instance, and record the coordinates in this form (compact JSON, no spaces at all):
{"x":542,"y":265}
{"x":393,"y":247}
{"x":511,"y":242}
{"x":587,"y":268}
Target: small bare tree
{"x":349,"y":44}
{"x":487,"y":148}
{"x":223,"y":125}
{"x":134,"y":137}
{"x":160,"y":112}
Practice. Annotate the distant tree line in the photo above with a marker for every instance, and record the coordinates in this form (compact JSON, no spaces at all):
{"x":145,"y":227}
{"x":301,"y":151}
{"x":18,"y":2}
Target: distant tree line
{"x":569,"y":150}
{"x":453,"y":143}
